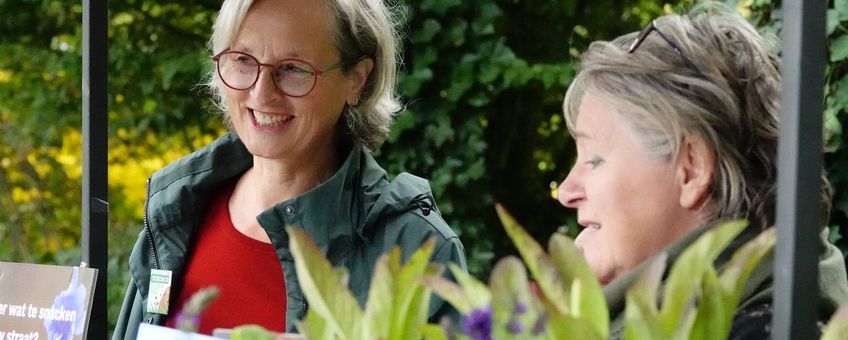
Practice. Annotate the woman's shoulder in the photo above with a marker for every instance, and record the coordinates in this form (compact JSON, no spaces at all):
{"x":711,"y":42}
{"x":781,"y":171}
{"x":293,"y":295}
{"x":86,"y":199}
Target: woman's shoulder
{"x":405,"y":211}
{"x":225,"y":156}
{"x":753,"y":322}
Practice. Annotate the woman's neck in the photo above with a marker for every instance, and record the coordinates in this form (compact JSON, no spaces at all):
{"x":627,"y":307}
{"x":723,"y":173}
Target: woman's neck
{"x":275,"y":180}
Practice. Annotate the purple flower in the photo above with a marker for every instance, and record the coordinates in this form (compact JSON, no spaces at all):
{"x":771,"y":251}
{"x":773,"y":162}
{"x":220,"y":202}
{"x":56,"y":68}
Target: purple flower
{"x":514,"y":326}
{"x":478,"y":324}
{"x":189,"y":322}
{"x":66,"y":317}
{"x":520,"y":308}
{"x":540,"y":326}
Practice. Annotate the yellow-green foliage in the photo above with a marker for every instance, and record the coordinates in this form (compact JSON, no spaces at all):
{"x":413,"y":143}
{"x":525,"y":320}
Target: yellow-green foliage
{"x":698,"y":303}
{"x":570,"y":302}
{"x":397,"y":303}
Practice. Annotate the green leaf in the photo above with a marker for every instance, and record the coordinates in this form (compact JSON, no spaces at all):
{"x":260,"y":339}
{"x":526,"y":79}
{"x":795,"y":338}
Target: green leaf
{"x":462,"y":78}
{"x":841,"y":6}
{"x":538,"y":263}
{"x":477,"y":292}
{"x":424,"y":58}
{"x":416,"y":316}
{"x":381,"y":296}
{"x":440,"y":131}
{"x":489,"y":11}
{"x":251,"y":332}
{"x":839,"y":49}
{"x":562,"y":326}
{"x":439,"y":7}
{"x":742,"y":264}
{"x":323,"y":288}
{"x":832,"y":18}
{"x":455,"y":33}
{"x":832,"y":130}
{"x":433,"y":332}
{"x":510,"y":293}
{"x":837,"y":327}
{"x":412,"y":299}
{"x":641,"y":312}
{"x":713,"y":318}
{"x":841,"y":98}
{"x":449,"y":291}
{"x":639,"y":324}
{"x":719,"y":296}
{"x":314,"y":327}
{"x":403,"y":121}
{"x":411,"y":84}
{"x":689,"y":268}
{"x":427,"y":31}
{"x":589,"y":303}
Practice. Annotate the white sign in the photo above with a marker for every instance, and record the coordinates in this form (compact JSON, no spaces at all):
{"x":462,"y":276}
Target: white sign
{"x":41,"y":302}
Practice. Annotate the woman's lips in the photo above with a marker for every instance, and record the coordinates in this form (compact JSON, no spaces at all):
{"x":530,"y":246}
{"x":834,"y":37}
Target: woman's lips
{"x":269,"y":121}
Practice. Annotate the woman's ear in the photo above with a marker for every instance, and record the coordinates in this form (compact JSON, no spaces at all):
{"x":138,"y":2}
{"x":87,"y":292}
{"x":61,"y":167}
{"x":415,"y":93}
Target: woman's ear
{"x":358,"y":77}
{"x":695,"y":171}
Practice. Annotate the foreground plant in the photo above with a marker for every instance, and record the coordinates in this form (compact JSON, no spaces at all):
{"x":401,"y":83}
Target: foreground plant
{"x":564,"y":300}
{"x":698,"y":303}
{"x":397,"y":303}
{"x":569,"y":302}
{"x":188,"y":318}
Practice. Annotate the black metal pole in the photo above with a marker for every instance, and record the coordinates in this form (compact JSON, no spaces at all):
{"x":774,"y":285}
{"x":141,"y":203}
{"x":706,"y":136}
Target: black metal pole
{"x":95,"y":206}
{"x":798,"y":183}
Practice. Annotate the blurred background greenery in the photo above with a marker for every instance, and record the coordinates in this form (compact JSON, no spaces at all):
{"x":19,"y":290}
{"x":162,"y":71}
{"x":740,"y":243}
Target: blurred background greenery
{"x":482,"y":81}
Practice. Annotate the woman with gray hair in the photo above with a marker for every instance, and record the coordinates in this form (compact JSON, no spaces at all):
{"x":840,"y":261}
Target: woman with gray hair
{"x":677,"y":127}
{"x":308,"y":88}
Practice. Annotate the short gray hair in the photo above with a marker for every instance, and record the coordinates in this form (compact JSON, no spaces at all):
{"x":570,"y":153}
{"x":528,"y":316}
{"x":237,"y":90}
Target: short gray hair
{"x":731,"y":100}
{"x":363,"y":28}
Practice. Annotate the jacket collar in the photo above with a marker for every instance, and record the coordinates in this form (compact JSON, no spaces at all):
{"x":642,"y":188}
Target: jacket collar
{"x":330,"y":213}
{"x":334,"y":212}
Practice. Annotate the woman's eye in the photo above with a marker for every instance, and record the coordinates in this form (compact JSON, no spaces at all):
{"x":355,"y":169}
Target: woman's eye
{"x":243,"y":60}
{"x":595,"y":161}
{"x":294,"y":68}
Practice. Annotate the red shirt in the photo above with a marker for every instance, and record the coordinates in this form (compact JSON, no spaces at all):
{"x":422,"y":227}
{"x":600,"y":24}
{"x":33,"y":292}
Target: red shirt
{"x":247,"y":272}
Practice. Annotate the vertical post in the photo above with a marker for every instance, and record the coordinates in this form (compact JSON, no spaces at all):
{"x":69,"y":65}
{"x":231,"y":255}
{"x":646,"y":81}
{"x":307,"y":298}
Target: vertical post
{"x":95,"y":207}
{"x":798,"y":183}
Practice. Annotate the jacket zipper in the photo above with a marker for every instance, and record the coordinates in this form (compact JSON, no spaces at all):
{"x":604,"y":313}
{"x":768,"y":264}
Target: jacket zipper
{"x":150,"y":241}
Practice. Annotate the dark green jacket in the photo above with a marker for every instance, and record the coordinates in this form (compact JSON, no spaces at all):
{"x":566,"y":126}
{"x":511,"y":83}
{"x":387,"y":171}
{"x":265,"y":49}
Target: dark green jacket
{"x":759,"y":290}
{"x":354,"y":217}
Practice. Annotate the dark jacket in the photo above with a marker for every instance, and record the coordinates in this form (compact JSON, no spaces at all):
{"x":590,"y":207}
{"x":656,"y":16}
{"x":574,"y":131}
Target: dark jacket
{"x":354,"y":217}
{"x":753,"y":315}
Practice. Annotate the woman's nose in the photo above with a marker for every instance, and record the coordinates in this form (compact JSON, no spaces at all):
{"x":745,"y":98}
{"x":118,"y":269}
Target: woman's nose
{"x":265,"y":89}
{"x":570,"y":192}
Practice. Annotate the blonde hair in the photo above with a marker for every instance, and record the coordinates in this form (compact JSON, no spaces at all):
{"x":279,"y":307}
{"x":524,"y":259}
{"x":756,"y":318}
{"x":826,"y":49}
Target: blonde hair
{"x":730,"y":99}
{"x":363,"y":29}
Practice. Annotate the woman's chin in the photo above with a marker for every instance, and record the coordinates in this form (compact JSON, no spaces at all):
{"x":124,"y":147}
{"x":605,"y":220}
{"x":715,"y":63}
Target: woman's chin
{"x":606,"y":278}
{"x":603,"y":274}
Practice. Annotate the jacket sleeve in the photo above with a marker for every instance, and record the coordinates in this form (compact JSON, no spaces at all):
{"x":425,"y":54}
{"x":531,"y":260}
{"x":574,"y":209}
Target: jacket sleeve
{"x":450,"y":251}
{"x":131,"y":315}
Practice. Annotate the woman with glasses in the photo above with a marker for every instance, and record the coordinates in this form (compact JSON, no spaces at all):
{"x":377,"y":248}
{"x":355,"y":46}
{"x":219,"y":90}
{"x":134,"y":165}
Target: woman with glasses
{"x":307,"y":88}
{"x":676,"y":127}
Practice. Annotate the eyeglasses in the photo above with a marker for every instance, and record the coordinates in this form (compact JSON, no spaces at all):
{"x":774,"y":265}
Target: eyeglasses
{"x":652,"y":27}
{"x":293,"y":77}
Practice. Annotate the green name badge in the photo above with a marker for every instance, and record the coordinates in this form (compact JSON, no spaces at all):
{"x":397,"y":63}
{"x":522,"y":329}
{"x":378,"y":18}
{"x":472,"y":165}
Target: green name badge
{"x":160,"y":291}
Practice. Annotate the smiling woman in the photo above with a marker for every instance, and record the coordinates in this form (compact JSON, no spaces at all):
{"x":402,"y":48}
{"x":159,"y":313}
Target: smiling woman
{"x":307,"y":88}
